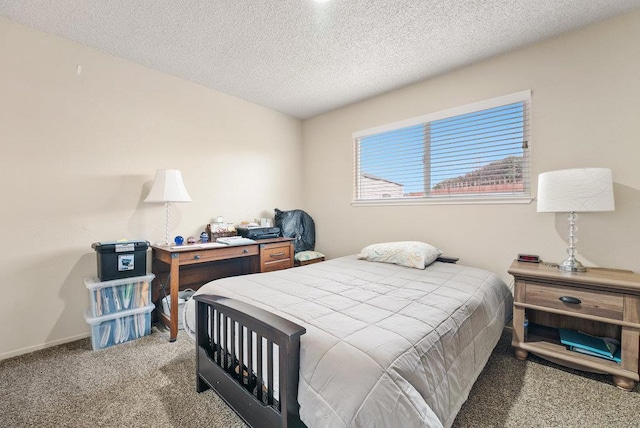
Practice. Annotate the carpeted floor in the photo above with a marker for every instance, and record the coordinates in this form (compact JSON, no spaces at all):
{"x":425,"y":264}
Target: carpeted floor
{"x":151,"y":383}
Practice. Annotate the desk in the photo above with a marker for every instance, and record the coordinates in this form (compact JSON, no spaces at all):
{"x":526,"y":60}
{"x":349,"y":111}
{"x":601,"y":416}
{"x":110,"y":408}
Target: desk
{"x":192,"y":266}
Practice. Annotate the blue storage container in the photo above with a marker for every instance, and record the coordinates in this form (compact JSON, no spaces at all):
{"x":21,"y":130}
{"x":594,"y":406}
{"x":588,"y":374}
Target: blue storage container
{"x":119,"y":327}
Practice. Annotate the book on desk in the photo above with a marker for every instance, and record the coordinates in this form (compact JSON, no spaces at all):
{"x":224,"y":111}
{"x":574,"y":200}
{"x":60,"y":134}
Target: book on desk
{"x":235,"y":240}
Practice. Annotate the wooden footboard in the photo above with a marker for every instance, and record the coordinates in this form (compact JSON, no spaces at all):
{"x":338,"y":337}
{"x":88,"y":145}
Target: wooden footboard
{"x":235,"y":342}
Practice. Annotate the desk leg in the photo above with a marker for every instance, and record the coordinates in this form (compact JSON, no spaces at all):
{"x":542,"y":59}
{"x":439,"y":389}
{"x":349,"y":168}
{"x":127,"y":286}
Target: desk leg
{"x":174,"y":287}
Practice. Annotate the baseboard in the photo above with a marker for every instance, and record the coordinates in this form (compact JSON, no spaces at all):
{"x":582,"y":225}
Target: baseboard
{"x":41,"y":346}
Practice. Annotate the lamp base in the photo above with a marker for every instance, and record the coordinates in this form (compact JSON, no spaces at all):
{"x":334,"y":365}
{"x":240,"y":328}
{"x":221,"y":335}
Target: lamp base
{"x":572,"y":265}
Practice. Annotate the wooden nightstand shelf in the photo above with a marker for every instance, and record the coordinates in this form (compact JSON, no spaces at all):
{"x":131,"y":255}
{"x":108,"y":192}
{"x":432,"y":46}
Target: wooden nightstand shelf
{"x":609,"y":306}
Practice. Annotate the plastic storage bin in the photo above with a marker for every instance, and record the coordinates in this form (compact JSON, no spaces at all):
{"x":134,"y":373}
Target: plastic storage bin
{"x":121,"y":259}
{"x":119,"y":327}
{"x":108,"y":297}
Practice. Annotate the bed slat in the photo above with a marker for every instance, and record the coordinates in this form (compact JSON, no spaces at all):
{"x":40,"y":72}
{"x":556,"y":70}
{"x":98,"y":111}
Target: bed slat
{"x":260,"y":375}
{"x":241,"y":377}
{"x":269,"y":372}
{"x":232,"y":343}
{"x":214,"y":337}
{"x":250,"y":348}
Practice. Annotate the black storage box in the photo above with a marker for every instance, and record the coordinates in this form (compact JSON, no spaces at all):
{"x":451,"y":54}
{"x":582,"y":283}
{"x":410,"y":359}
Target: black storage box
{"x":121,"y":259}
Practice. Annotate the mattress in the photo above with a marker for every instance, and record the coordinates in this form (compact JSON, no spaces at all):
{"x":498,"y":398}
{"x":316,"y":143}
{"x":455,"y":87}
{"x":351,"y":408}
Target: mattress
{"x":386,"y":345}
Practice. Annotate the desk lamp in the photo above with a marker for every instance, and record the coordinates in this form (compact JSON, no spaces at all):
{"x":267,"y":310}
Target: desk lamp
{"x":167,"y":187}
{"x":572,"y":191}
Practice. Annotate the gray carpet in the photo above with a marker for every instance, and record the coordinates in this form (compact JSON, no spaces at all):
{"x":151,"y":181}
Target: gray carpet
{"x":151,"y":383}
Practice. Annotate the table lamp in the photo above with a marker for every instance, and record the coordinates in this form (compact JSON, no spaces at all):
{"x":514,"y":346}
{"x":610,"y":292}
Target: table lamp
{"x":575,"y":190}
{"x":167,"y":187}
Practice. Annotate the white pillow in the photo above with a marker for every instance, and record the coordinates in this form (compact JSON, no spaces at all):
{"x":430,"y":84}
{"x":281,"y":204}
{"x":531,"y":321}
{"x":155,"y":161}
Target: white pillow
{"x":413,"y":254}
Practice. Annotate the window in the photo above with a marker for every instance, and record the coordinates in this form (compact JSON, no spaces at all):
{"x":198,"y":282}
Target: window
{"x":478,"y":153}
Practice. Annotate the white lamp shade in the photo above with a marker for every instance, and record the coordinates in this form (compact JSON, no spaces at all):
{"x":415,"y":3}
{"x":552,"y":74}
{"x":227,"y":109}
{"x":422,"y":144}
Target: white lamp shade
{"x":168,"y":187}
{"x":576,"y":190}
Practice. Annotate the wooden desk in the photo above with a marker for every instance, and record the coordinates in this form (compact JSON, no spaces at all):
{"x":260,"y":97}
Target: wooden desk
{"x":191,"y":266}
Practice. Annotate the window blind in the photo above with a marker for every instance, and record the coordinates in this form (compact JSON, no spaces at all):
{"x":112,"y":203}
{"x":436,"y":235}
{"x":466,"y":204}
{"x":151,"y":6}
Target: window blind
{"x":478,"y":151}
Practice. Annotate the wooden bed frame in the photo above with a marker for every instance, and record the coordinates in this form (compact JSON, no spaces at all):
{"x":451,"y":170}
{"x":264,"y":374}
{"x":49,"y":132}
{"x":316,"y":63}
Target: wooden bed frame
{"x":219,"y":368}
{"x":224,"y":370}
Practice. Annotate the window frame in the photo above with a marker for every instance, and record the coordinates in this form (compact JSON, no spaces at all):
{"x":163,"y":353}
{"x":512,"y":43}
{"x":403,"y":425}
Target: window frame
{"x":490,"y":198}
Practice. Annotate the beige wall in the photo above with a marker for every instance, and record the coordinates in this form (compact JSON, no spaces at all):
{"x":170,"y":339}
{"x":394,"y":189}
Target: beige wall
{"x":79,"y":153}
{"x":585,"y":112}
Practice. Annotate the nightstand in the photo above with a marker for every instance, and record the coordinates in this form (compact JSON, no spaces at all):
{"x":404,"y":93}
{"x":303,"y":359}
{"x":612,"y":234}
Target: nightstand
{"x":601,"y":302}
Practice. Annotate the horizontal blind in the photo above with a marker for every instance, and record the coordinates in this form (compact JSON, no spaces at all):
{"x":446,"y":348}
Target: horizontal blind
{"x":479,"y":153}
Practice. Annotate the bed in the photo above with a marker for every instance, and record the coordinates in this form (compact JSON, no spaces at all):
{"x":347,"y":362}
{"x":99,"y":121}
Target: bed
{"x":348,"y":342}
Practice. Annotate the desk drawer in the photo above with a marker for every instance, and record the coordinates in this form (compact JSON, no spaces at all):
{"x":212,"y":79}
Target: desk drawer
{"x":591,"y":302}
{"x":276,"y":256}
{"x":213,"y":254}
{"x":275,"y":253}
{"x":280,"y":264}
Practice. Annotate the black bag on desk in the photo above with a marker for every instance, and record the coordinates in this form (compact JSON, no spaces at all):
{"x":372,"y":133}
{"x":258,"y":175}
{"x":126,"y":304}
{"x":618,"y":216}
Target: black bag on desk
{"x":299,"y":225}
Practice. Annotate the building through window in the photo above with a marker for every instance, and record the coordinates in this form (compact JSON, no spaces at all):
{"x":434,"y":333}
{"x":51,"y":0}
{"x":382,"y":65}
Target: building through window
{"x":479,"y":151}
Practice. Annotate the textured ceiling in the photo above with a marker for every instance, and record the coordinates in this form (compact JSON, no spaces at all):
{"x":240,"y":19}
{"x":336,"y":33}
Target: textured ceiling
{"x":302,"y":57}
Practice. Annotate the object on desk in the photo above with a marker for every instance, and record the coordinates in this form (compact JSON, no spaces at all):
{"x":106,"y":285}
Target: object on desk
{"x":220,"y":230}
{"x":604,"y":347}
{"x":221,"y":227}
{"x":235,"y":240}
{"x":197,"y":246}
{"x":179,"y":240}
{"x":264,"y":222}
{"x":167,"y":188}
{"x":247,"y":225}
{"x":204,"y":237}
{"x":121,"y":259}
{"x":191,"y":240}
{"x":259,"y":232}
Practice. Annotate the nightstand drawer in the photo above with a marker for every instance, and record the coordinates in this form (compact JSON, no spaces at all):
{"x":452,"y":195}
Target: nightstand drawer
{"x":576,"y":300}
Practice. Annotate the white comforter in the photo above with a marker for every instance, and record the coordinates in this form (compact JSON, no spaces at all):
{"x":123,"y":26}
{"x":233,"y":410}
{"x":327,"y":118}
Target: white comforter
{"x":386,"y":345}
